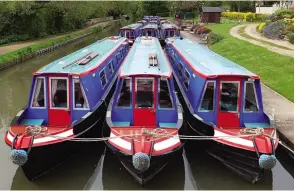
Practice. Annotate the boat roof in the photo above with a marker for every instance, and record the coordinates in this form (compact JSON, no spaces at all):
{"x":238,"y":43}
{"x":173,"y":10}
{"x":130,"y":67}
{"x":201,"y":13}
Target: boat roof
{"x":132,"y":26}
{"x":205,"y":61}
{"x":150,"y":25}
{"x":168,"y":26}
{"x":137,"y":61}
{"x":69,"y":63}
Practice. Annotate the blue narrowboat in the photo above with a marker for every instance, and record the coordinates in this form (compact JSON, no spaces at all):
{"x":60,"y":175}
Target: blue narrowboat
{"x":143,"y":111}
{"x":68,"y":99}
{"x":142,"y":22}
{"x":150,"y":30}
{"x":223,"y":99}
{"x":169,"y":30}
{"x":131,"y":31}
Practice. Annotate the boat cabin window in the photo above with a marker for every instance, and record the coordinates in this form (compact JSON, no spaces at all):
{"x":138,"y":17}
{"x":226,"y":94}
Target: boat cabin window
{"x":144,"y":93}
{"x":111,"y":67}
{"x":59,"y":93}
{"x":169,"y":33}
{"x":124,"y":99}
{"x":208,"y":97}
{"x":149,"y":33}
{"x":80,"y":100}
{"x":165,"y":100}
{"x":250,"y":98}
{"x":186,"y":79}
{"x":127,"y":34}
{"x":38,"y":100}
{"x":103,"y":77}
{"x":180,"y":69}
{"x":229,"y":96}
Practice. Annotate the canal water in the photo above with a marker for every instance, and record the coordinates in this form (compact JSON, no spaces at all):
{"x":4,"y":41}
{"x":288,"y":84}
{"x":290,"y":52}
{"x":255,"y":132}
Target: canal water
{"x":97,"y":168}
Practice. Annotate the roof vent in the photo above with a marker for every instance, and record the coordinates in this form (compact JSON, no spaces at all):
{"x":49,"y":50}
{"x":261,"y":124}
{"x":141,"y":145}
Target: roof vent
{"x":83,"y":60}
{"x":153,"y":61}
{"x":88,"y":58}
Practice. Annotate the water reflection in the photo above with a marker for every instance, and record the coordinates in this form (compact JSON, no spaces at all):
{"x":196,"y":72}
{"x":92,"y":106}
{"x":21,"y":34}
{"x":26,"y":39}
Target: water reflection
{"x":72,"y":175}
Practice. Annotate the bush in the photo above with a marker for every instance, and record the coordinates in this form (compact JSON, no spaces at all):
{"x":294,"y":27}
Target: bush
{"x":14,"y":38}
{"x":249,"y":16}
{"x":291,"y":37}
{"x":284,"y":13}
{"x":214,"y":38}
{"x":197,"y":28}
{"x":260,"y":26}
{"x":274,"y":30}
{"x":203,"y":29}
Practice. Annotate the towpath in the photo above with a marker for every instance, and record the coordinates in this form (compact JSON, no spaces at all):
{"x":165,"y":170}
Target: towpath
{"x":234,"y":32}
{"x":272,"y":101}
{"x":19,"y":45}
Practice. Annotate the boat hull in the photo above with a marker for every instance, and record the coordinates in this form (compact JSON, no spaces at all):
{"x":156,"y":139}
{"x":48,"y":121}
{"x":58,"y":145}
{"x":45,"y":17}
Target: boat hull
{"x":157,"y":162}
{"x":243,"y":162}
{"x":42,"y":159}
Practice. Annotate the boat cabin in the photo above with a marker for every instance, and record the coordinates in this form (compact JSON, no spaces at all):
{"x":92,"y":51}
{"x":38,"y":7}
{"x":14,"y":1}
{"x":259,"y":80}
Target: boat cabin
{"x":68,"y":89}
{"x":150,"y":30}
{"x":144,"y":94}
{"x":142,"y":22}
{"x":217,"y":90}
{"x":131,"y":31}
{"x":169,"y":30}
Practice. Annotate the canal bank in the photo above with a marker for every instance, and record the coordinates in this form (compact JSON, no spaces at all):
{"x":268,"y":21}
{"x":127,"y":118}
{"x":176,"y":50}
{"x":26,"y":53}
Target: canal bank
{"x":274,"y":104}
{"x":40,"y":48}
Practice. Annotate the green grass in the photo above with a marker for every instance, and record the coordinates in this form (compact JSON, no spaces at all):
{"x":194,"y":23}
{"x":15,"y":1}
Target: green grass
{"x":243,"y":34}
{"x":275,"y":70}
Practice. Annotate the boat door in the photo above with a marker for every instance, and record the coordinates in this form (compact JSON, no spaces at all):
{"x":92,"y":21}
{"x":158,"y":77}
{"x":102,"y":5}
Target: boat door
{"x":229,"y":102}
{"x":144,"y":102}
{"x":59,"y":110}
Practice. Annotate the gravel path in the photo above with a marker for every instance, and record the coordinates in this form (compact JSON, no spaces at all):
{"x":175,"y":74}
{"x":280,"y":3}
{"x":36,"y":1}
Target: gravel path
{"x":251,"y":31}
{"x":234,"y":33}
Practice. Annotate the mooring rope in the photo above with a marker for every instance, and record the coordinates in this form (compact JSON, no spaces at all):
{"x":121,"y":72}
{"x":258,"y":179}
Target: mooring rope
{"x":153,"y":135}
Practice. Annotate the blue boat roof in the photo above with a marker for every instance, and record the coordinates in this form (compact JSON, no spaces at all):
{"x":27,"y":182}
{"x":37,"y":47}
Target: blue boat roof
{"x":205,"y":61}
{"x":150,"y":25}
{"x":168,"y":26}
{"x":137,"y":60}
{"x":70,"y":63}
{"x":132,"y":26}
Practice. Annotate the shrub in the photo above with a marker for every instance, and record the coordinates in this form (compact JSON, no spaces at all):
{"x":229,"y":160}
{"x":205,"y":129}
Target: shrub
{"x":291,"y":37}
{"x":197,"y":28}
{"x":249,"y":16}
{"x":194,"y":26}
{"x":284,"y":13}
{"x":214,"y":38}
{"x":203,"y":29}
{"x":260,"y":26}
{"x":274,"y":30}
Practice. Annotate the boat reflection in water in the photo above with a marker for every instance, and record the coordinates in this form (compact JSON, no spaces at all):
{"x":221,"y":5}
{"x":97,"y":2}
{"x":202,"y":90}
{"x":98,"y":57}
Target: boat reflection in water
{"x":115,"y":177}
{"x":72,"y":175}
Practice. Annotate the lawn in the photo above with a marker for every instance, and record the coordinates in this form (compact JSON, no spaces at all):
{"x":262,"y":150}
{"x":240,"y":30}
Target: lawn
{"x":275,"y":70}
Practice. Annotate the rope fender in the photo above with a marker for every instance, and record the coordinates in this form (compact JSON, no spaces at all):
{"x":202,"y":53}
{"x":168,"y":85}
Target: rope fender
{"x":20,"y":156}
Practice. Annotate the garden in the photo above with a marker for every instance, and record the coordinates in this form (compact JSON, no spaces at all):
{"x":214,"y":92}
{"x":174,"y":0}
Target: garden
{"x":279,"y":25}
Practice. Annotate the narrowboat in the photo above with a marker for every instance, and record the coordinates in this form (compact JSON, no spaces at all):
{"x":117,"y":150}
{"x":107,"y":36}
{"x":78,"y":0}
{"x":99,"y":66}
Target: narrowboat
{"x":68,"y":99}
{"x":142,"y":22}
{"x":222,"y":99}
{"x":144,"y":117}
{"x":167,"y":31}
{"x":150,"y":30}
{"x":131,"y":32}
